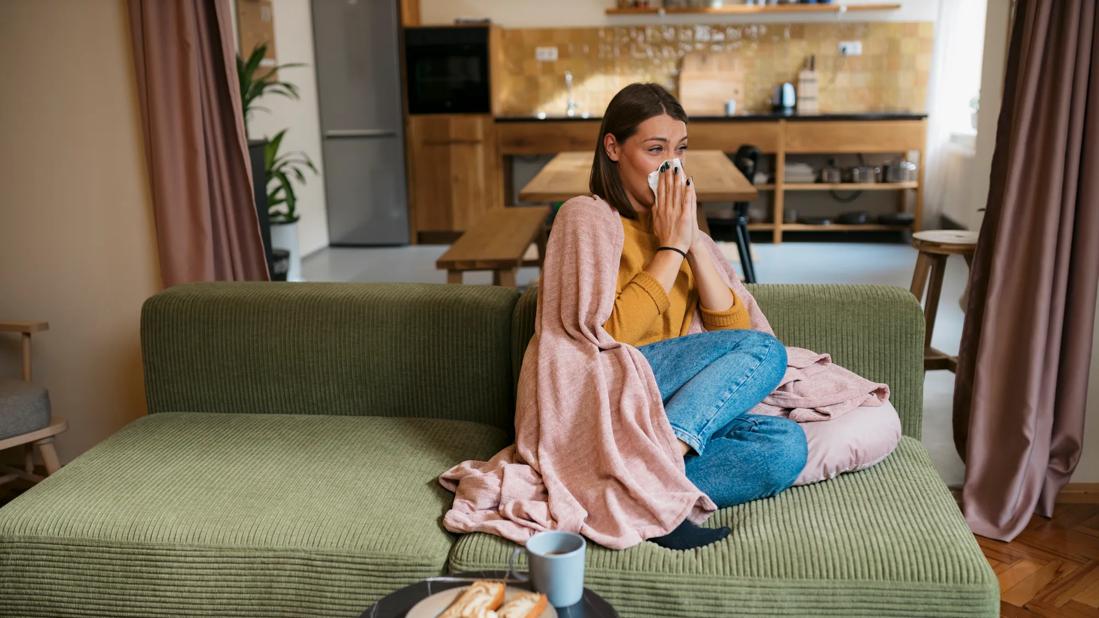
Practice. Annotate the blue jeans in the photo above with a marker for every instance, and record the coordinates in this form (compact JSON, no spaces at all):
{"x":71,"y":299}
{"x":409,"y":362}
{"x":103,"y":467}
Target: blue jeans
{"x":708,"y":382}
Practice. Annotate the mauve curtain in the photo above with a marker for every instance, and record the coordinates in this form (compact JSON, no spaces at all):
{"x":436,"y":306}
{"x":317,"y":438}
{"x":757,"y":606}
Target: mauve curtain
{"x":1026,"y":345}
{"x":206,"y":223}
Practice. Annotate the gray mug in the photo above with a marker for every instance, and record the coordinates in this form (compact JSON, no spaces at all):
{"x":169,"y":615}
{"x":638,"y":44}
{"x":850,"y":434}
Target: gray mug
{"x":556,"y":562}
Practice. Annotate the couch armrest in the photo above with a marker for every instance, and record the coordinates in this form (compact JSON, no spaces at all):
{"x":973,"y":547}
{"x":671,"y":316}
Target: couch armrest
{"x":874,"y":330}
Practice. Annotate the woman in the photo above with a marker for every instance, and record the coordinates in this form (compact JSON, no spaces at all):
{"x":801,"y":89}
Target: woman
{"x":708,"y":381}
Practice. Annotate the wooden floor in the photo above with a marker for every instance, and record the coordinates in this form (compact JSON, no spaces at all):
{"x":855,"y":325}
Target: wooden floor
{"x":1051,"y":569}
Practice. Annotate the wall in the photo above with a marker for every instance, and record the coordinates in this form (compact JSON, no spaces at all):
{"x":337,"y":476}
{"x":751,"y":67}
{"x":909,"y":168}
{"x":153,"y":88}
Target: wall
{"x":606,"y":52}
{"x":891,"y":73}
{"x":294,"y":43}
{"x":77,"y":244}
{"x":586,"y":13}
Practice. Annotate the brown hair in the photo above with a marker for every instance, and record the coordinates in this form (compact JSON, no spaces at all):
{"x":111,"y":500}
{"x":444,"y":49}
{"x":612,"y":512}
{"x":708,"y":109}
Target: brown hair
{"x":632,"y":105}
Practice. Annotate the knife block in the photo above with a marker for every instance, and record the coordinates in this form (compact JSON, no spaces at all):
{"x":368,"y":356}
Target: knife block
{"x":807,"y":92}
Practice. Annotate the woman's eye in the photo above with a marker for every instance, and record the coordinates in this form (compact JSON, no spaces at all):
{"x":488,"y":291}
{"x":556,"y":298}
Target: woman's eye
{"x":682,"y":149}
{"x":655,"y":149}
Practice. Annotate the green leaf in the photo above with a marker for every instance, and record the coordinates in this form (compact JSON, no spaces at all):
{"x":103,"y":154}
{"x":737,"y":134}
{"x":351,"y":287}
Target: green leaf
{"x":276,"y":141}
{"x":270,"y":151}
{"x":271,"y":72}
{"x":284,"y":171}
{"x":290,"y":197}
{"x":254,"y":83}
{"x":255,"y":58}
{"x":289,"y":91}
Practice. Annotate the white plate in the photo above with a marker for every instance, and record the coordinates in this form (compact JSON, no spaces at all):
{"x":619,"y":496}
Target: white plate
{"x":434,"y":605}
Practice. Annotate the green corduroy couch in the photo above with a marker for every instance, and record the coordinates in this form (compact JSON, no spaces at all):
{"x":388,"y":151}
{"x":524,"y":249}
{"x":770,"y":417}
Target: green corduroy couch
{"x":287,"y":467}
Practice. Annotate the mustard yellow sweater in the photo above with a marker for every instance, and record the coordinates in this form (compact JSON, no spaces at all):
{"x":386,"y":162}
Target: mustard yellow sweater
{"x":643,"y":312}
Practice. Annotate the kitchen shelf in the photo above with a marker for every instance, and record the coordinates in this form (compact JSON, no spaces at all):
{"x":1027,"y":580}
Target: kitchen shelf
{"x":844,"y":227}
{"x":832,"y":227}
{"x":777,"y":139}
{"x":849,"y":186}
{"x":747,"y":9}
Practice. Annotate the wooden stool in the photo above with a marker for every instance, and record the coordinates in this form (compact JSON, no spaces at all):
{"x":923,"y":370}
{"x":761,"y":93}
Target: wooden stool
{"x":498,"y":242}
{"x":934,"y":247}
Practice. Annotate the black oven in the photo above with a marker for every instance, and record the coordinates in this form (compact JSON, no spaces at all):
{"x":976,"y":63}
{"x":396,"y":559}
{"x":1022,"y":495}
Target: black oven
{"x":447,"y":70}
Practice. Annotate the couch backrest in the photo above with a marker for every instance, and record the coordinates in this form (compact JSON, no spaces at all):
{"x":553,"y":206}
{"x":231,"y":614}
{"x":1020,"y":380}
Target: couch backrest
{"x":400,"y":349}
{"x":874,"y":330}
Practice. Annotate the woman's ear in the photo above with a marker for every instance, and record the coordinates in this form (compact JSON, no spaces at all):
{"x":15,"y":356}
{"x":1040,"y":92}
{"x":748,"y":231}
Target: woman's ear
{"x":610,"y":146}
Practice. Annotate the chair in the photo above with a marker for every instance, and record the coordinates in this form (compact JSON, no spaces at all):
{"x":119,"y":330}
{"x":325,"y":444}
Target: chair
{"x":934,"y":247}
{"x":746,"y":160}
{"x":25,"y":418}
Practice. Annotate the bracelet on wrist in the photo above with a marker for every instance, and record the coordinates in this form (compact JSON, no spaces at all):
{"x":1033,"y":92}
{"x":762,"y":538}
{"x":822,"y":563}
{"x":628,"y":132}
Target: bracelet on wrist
{"x":676,"y":249}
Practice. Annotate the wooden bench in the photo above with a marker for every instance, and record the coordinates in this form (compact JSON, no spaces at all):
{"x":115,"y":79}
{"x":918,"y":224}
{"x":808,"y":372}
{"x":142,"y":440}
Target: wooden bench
{"x":498,"y":242}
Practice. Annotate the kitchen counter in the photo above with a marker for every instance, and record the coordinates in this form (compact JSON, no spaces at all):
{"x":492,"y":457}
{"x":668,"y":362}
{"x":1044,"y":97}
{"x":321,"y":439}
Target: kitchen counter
{"x":884,"y":115}
{"x":886,"y":132}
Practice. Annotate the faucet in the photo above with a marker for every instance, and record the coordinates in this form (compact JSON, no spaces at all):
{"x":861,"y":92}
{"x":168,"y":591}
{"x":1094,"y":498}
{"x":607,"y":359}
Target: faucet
{"x":570,"y":105}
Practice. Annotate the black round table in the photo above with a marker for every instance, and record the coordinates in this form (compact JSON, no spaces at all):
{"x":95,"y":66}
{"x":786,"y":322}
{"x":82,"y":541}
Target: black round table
{"x":396,"y":604}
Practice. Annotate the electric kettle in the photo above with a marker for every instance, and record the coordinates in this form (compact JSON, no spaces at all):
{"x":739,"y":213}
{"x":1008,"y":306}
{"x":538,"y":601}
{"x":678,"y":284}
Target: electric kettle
{"x":785,"y":98}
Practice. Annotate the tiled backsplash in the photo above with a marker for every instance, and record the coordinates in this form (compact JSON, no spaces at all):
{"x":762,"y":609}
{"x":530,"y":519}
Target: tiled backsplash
{"x":891,"y":73}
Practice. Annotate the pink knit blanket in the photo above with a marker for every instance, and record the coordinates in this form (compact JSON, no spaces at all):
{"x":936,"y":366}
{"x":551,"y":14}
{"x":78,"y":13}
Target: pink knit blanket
{"x":593,"y":451}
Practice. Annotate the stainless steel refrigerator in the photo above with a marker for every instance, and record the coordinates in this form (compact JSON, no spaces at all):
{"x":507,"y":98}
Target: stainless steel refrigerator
{"x":359,"y":90}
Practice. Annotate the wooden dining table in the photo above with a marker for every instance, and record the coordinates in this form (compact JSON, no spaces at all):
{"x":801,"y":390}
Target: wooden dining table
{"x":715,"y":177}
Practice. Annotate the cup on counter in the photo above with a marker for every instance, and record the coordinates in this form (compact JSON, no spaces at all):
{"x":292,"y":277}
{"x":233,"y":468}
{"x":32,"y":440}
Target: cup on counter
{"x":556,"y":562}
{"x":730,"y":107}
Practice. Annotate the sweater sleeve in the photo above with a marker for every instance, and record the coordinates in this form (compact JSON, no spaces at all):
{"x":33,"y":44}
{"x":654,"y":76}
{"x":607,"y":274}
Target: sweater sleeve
{"x":640,"y":302}
{"x":735,"y":317}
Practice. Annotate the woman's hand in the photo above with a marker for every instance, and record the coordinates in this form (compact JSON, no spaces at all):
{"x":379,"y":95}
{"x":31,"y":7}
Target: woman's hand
{"x":713,"y":293}
{"x":692,"y":204}
{"x":675,"y":215}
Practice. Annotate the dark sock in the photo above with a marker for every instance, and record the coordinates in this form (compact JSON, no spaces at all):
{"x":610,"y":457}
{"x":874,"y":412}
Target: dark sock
{"x":690,"y":536}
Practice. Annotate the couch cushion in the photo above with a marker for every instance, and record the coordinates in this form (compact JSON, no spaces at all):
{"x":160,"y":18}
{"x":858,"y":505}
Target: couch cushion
{"x":237,"y":515}
{"x":874,"y":330}
{"x":887,"y":541}
{"x":378,"y":349}
{"x":24,"y":407}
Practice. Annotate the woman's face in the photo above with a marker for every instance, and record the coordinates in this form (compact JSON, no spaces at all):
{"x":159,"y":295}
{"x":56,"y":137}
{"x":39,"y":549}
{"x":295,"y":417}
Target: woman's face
{"x":657,"y":139}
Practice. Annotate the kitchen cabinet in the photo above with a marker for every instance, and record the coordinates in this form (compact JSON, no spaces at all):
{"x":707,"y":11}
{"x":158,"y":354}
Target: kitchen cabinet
{"x":454,"y":173}
{"x":845,"y":136}
{"x":751,"y":9}
{"x":776,"y":136}
{"x":536,"y":137}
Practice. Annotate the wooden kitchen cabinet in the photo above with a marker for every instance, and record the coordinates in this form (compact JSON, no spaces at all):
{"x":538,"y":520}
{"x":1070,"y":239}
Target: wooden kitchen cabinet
{"x":540,"y":137}
{"x":855,"y":136}
{"x":728,"y":136}
{"x":454,"y":173}
{"x":776,"y":137}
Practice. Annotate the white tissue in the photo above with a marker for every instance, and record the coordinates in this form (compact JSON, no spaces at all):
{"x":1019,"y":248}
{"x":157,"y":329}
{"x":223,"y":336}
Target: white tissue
{"x":655,"y":175}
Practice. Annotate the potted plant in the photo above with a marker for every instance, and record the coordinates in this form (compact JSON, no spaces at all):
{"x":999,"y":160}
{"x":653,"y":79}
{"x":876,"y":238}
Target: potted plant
{"x":282,"y":202}
{"x":277,"y":201}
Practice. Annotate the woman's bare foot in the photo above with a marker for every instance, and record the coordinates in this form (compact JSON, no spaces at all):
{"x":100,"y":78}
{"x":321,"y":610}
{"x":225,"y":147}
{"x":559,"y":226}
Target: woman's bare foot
{"x":684,"y":448}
